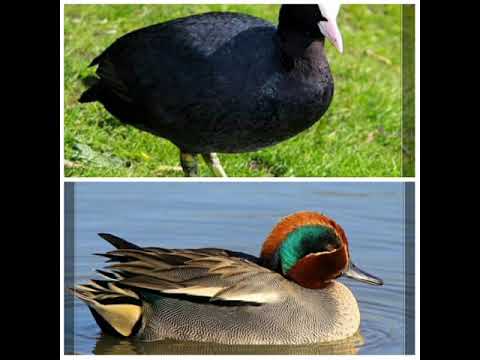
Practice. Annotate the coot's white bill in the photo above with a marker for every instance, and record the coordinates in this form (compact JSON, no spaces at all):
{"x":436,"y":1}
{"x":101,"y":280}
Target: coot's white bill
{"x":329,"y":28}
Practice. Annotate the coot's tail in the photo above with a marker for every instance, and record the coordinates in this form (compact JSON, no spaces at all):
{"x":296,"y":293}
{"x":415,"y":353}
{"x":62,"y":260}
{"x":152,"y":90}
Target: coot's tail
{"x":91,"y":94}
{"x":117,"y":103}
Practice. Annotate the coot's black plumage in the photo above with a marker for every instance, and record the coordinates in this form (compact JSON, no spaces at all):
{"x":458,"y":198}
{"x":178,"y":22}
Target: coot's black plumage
{"x":219,"y":82}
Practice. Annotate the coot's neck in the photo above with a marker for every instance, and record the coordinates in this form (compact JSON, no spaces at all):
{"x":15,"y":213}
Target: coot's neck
{"x":301,"y":42}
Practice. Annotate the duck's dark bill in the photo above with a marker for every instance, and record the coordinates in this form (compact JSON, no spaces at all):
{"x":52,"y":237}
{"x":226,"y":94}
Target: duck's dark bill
{"x":355,"y":273}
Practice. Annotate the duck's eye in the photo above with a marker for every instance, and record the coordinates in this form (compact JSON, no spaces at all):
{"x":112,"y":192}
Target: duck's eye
{"x":320,"y":239}
{"x":331,"y":247}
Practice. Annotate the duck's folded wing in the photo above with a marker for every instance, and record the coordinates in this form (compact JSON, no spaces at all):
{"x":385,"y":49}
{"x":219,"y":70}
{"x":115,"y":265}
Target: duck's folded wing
{"x":206,"y":273}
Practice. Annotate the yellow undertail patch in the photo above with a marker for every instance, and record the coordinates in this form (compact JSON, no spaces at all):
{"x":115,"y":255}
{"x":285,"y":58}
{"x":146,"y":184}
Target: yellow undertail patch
{"x":122,"y":317}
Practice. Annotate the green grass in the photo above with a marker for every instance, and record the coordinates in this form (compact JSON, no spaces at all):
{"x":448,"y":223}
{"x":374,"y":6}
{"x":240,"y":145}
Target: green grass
{"x":359,"y":136}
{"x":408,"y":163}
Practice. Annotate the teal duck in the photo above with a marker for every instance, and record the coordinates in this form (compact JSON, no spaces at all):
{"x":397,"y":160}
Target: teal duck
{"x":287,"y":295}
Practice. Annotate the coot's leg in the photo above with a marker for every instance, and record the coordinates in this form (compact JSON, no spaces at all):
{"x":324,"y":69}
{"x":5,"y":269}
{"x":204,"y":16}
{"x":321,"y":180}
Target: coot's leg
{"x":214,"y":164}
{"x":189,"y":164}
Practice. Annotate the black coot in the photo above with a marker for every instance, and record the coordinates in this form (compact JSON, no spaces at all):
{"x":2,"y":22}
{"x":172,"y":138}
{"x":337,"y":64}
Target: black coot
{"x":221,"y":82}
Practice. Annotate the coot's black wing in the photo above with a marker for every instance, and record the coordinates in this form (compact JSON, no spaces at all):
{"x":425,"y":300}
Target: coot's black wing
{"x":171,"y":72}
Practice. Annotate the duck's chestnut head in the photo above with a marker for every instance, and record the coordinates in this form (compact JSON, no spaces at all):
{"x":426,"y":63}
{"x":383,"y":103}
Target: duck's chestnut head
{"x":312,"y":250}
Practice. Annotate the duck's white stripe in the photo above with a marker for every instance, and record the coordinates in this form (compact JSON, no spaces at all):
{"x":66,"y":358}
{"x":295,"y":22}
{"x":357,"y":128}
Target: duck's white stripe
{"x":259,"y":297}
{"x":195,"y":291}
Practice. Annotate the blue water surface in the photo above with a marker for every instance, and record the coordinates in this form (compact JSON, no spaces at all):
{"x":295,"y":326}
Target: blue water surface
{"x":238,"y":216}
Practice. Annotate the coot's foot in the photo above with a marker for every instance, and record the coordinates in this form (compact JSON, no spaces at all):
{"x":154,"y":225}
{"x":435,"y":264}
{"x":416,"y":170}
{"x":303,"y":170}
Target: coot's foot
{"x":214,"y":164}
{"x":189,"y":164}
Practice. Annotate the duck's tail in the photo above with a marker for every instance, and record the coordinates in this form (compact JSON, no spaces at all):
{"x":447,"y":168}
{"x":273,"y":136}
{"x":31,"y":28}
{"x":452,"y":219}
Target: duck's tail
{"x":118,"y":242}
{"x":116,"y":310}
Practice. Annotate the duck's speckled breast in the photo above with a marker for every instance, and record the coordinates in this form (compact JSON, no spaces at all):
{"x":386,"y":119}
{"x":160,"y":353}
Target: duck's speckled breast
{"x":303,"y":316}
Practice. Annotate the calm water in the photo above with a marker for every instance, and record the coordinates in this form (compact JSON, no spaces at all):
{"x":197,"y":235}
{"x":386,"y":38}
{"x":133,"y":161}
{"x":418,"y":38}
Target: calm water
{"x":238,"y":217}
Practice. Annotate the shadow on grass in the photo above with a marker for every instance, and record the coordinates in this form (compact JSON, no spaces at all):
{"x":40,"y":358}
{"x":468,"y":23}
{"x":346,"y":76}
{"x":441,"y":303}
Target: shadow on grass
{"x":268,"y":165}
{"x":111,"y":122}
